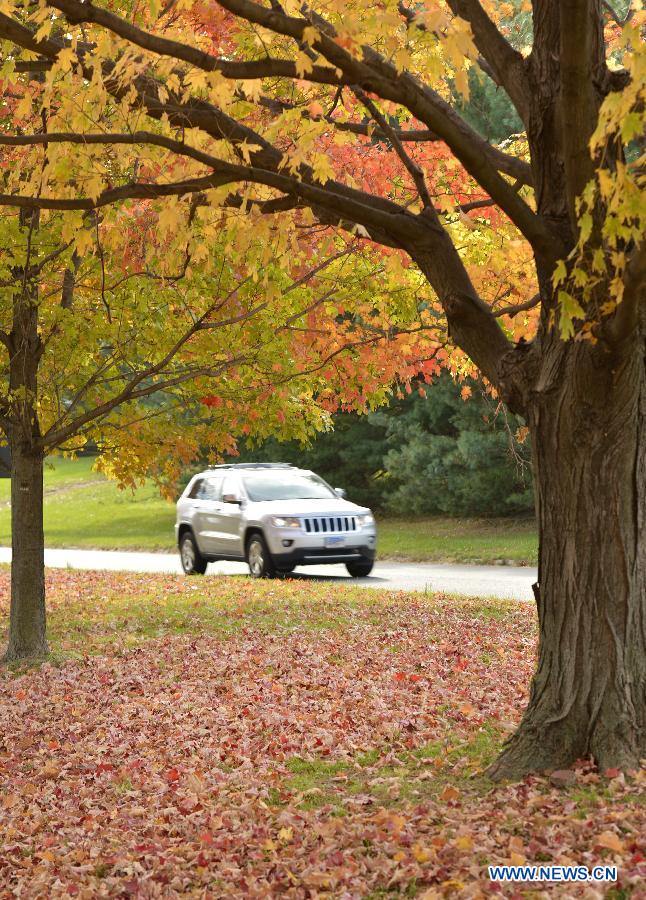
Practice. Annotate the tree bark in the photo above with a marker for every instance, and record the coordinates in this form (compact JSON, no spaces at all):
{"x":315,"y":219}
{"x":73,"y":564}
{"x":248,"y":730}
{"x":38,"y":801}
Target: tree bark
{"x":27,"y":634}
{"x":27,"y":627}
{"x":588,"y":696}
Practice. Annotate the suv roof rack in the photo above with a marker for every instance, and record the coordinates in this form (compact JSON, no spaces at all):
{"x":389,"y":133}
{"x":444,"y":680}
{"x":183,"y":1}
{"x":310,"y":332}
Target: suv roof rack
{"x":253,"y":466}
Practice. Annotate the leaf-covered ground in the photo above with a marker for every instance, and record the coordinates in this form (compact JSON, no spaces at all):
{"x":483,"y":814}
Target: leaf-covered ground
{"x":224,"y":738}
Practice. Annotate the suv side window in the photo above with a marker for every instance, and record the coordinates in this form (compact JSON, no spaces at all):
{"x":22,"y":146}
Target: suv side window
{"x":195,"y":490}
{"x":211,"y":489}
{"x":231,"y":486}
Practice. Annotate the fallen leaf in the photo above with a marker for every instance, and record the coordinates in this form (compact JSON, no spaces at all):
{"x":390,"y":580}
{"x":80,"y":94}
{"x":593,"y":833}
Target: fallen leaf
{"x":562,"y":778}
{"x":464,"y":842}
{"x":610,"y":841}
{"x":422,"y":854}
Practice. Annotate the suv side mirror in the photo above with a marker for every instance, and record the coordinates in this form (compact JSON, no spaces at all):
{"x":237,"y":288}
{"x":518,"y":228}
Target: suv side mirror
{"x":231,"y":498}
{"x":340,"y":492}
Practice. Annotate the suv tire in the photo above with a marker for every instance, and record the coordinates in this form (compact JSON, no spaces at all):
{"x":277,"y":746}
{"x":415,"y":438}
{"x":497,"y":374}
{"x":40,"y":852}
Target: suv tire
{"x":360,"y":568}
{"x":259,"y":560}
{"x":193,"y":562}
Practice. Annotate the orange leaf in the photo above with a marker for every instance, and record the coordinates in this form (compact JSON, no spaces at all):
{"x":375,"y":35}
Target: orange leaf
{"x":610,"y":841}
{"x":449,"y":793}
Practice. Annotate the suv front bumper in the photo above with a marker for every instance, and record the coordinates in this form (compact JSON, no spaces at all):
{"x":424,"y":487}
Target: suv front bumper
{"x":290,"y":547}
{"x":316,"y":556}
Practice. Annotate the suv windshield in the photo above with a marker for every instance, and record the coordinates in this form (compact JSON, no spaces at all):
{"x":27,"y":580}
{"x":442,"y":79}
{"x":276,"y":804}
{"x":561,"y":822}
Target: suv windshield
{"x":286,"y":486}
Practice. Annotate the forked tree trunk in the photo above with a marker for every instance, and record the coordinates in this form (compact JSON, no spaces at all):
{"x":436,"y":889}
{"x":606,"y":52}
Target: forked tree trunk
{"x":27,"y":636}
{"x":588,"y":696}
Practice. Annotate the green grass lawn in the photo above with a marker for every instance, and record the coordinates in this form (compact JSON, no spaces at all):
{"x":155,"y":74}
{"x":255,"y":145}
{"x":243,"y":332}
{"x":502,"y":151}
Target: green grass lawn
{"x":83,"y":509}
{"x":443,"y":539}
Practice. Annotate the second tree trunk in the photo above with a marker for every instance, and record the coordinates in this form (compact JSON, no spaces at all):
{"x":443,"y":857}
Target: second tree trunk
{"x":27,"y":633}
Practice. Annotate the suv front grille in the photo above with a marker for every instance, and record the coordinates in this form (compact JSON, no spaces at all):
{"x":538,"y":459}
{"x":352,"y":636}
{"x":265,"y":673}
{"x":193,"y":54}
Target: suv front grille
{"x":329,"y":524}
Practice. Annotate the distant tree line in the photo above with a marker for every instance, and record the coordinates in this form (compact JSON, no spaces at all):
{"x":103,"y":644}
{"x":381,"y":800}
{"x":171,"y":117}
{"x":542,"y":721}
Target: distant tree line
{"x":422,"y":455}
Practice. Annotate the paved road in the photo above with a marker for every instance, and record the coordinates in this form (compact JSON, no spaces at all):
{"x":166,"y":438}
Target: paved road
{"x":514,"y":582}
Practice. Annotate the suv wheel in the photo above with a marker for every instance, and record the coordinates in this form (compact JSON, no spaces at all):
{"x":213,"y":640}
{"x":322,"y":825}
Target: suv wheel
{"x":193,"y":562}
{"x":360,"y":569}
{"x":261,"y":565}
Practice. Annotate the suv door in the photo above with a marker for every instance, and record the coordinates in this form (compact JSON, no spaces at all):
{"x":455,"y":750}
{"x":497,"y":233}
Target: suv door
{"x":207,"y":513}
{"x":230,"y":538}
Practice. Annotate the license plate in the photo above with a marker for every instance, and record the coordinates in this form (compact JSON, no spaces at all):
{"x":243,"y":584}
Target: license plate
{"x":336,"y":541}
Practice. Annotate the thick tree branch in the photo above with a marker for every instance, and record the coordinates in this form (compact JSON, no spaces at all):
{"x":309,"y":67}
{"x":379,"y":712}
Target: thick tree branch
{"x":471,"y":323}
{"x":579,"y":105}
{"x":34,"y":65}
{"x":506,"y":63}
{"x":78,"y":13}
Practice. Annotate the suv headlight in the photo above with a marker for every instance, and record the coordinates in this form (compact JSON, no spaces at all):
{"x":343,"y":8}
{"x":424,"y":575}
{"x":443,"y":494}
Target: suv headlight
{"x":285,"y":522}
{"x":365,"y":521}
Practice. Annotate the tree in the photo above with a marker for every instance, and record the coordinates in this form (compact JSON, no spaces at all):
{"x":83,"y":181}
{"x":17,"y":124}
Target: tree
{"x":120,"y":344}
{"x":449,"y":449}
{"x":455,"y":456}
{"x":274,"y":109}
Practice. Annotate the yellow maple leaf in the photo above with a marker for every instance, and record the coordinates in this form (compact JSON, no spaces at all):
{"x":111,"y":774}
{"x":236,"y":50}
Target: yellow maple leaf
{"x":310,"y":35}
{"x":422,"y":854}
{"x":303,"y":64}
{"x":464,"y":842}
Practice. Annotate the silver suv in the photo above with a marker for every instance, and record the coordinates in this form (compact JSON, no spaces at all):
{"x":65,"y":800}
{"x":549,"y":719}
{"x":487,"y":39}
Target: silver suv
{"x":275,"y":517}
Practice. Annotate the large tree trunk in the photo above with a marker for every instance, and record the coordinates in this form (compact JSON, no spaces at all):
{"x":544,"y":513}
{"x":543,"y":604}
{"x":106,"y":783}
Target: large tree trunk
{"x":588,"y":697}
{"x":27,"y":636}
